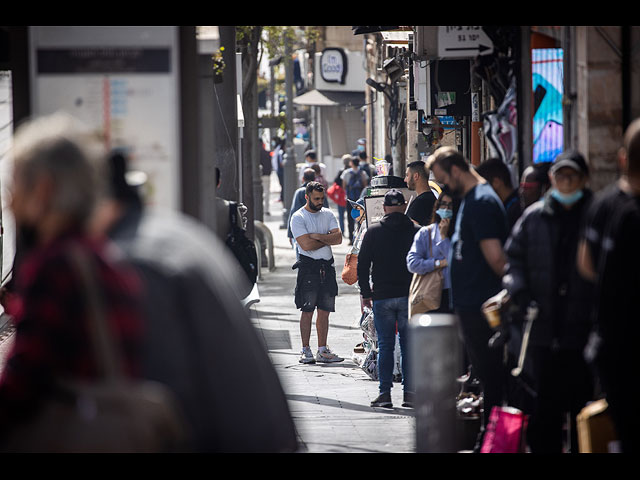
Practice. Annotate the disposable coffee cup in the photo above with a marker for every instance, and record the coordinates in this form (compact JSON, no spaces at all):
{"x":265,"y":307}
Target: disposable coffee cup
{"x":492,"y":314}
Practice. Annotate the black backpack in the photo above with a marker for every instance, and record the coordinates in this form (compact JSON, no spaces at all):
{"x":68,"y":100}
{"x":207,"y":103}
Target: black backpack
{"x":243,"y":248}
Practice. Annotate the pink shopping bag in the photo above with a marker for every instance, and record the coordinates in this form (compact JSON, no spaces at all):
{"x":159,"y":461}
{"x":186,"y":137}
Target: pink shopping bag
{"x":506,"y":431}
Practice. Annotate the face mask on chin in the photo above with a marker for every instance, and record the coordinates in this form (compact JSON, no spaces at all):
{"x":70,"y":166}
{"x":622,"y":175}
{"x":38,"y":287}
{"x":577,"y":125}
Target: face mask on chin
{"x":567,"y":198}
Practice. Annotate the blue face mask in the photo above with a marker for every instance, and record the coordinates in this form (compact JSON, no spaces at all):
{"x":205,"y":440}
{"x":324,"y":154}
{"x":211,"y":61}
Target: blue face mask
{"x":444,"y":213}
{"x":355,"y":213}
{"x":567,"y":199}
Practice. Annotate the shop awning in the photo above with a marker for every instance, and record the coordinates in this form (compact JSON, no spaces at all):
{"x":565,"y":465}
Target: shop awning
{"x":329,"y":98}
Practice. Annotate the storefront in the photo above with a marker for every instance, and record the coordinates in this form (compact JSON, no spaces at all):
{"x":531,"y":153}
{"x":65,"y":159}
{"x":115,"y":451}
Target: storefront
{"x":336,"y":104}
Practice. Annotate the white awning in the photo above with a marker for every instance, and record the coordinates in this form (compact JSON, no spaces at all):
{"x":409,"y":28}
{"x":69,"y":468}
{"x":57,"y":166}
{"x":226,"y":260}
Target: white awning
{"x":327,"y":98}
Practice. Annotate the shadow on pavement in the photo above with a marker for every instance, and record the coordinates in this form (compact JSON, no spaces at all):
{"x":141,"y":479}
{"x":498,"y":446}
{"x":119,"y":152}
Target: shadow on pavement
{"x":331,"y":402}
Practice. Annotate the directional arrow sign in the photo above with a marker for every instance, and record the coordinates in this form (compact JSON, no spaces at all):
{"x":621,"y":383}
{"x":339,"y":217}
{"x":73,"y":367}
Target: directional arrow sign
{"x":463,"y":42}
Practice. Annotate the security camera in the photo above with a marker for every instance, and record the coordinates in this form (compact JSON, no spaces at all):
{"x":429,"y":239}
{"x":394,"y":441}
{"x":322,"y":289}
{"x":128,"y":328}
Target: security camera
{"x":376,"y":85}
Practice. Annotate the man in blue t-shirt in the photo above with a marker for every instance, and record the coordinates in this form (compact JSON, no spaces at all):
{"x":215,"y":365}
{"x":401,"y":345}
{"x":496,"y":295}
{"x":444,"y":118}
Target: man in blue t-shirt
{"x":476,"y":265}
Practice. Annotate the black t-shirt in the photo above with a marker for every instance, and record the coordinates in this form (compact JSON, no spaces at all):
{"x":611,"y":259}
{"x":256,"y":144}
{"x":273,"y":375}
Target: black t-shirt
{"x":421,"y":208}
{"x":613,"y":222}
{"x":481,"y":216}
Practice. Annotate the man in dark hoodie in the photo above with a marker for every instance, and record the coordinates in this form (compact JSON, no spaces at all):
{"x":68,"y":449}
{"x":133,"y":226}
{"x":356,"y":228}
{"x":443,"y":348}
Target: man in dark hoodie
{"x":384,"y":250}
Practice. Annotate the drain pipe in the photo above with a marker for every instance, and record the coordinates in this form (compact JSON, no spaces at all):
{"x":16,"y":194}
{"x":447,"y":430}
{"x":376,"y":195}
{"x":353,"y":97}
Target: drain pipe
{"x":626,"y":76}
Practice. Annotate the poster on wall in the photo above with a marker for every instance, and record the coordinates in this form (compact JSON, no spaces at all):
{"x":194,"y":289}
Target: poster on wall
{"x":121,"y":81}
{"x":547,"y":84}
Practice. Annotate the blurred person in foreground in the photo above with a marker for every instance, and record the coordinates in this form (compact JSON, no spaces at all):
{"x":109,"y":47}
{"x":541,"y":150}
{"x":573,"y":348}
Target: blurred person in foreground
{"x":198,"y":340}
{"x":55,"y":187}
{"x":609,"y":256}
{"x":541,"y":266}
{"x":476,"y":266}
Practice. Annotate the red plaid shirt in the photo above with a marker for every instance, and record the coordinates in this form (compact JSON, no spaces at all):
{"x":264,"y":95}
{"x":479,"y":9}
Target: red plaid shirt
{"x":50,"y":316}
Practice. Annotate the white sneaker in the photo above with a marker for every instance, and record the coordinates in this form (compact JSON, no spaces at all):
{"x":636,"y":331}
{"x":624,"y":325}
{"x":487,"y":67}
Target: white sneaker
{"x":327,"y":356}
{"x":307,"y":356}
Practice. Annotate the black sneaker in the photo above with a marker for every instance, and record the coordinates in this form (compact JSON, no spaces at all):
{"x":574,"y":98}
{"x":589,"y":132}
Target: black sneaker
{"x":408,"y":399}
{"x":383,"y":400}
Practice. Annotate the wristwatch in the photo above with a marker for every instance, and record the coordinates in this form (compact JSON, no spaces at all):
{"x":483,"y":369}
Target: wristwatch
{"x":437,"y":263}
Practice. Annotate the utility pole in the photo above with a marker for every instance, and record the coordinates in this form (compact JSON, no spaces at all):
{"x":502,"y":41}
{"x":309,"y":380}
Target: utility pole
{"x":225,"y":121}
{"x":290,"y":177}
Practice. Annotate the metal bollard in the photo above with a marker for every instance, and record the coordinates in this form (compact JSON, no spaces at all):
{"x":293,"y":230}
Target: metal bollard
{"x":436,"y":363}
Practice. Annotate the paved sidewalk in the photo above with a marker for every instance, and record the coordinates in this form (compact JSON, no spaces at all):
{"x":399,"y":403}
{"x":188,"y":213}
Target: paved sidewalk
{"x":329,"y":402}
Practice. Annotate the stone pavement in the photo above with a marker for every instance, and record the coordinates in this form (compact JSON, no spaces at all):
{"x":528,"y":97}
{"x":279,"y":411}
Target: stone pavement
{"x":329,"y":402}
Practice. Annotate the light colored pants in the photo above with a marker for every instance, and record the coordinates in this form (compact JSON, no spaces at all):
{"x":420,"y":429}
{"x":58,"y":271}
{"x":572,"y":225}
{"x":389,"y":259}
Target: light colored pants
{"x":266,"y":187}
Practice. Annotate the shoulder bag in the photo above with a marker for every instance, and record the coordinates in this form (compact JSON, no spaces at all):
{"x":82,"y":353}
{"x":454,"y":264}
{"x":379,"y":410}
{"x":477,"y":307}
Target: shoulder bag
{"x":111,"y":414}
{"x":350,"y":269}
{"x":425,"y":291}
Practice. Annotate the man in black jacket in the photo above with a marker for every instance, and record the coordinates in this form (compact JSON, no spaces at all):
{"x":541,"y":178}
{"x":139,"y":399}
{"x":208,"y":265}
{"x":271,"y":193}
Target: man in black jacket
{"x":541,"y":266}
{"x":384,"y":250}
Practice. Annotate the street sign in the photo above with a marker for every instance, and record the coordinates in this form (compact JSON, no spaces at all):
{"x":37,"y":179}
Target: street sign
{"x":463,"y":42}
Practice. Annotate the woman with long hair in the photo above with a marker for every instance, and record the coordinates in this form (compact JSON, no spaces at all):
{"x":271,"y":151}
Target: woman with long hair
{"x":438,"y":232}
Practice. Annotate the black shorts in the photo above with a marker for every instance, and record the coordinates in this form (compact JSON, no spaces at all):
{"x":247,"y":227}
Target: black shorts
{"x":312,"y":293}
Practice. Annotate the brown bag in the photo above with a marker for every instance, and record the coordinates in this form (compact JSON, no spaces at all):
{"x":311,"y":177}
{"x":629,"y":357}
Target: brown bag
{"x":350,"y":269}
{"x":425,"y":291}
{"x":111,"y":414}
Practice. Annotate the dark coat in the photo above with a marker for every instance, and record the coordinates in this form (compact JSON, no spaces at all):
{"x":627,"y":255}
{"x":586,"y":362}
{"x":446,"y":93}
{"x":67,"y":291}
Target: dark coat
{"x":199,"y":340}
{"x":541,"y":266}
{"x":385,"y":246}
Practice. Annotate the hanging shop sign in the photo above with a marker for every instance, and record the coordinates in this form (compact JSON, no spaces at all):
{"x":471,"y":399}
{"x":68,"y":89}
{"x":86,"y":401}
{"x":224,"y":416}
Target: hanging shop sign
{"x":333,"y":65}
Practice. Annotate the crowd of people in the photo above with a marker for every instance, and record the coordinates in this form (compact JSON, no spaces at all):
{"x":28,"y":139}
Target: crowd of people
{"x":548,"y":242}
{"x":171,"y":301}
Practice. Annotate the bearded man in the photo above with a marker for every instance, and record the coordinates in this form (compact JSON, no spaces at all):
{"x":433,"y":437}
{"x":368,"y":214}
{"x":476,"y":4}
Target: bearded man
{"x":315,"y":229}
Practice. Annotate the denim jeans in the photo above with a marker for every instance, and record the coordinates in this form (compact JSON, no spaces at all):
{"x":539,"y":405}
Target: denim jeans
{"x":387,"y":314}
{"x":341,"y":213}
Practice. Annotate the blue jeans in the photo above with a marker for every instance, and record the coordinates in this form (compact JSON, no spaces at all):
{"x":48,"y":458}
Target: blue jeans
{"x":341,"y":212}
{"x":387,"y":313}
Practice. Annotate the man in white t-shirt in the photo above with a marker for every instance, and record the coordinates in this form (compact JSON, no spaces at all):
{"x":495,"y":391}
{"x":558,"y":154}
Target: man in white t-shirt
{"x":315,"y":230}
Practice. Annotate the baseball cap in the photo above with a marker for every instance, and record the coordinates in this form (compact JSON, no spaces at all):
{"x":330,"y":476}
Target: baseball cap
{"x":358,"y":203}
{"x":393,"y":198}
{"x":572,"y":159}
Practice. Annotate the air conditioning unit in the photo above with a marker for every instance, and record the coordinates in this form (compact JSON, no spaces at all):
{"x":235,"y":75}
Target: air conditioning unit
{"x":426,"y":42}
